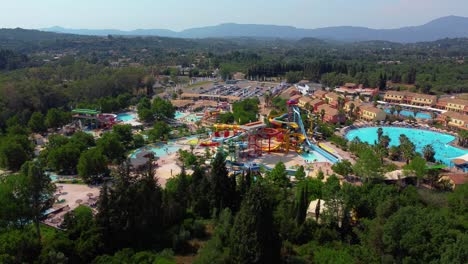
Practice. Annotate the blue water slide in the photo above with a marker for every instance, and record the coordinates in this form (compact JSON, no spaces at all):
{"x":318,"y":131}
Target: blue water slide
{"x":332,"y":158}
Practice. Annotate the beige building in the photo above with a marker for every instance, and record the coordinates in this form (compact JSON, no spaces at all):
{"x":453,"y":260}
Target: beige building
{"x":371,"y":113}
{"x":454,"y":120}
{"x":394,"y":96}
{"x":303,"y":101}
{"x":454,"y":105}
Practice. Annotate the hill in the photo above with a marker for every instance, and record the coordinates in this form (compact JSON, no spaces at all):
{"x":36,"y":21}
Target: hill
{"x":445,"y":27}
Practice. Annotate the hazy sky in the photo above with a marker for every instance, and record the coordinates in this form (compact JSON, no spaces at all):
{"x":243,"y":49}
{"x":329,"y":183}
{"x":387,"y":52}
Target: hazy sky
{"x":181,"y":14}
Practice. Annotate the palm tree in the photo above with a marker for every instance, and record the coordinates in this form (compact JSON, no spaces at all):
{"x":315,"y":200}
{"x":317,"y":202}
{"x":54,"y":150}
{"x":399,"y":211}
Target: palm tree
{"x":322,"y":114}
{"x":357,"y":110}
{"x":392,"y":110}
{"x":415,"y":112}
{"x":379,"y":133}
{"x":463,"y":138}
{"x":447,"y":120}
{"x":398,"y":109}
{"x":351,"y":109}
{"x":267,"y":96}
{"x":341,"y":102}
{"x":384,"y":141}
{"x":428,"y":153}
{"x":433,"y":116}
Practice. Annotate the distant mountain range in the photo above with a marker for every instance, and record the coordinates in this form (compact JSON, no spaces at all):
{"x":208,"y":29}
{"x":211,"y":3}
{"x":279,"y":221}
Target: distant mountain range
{"x":445,"y":27}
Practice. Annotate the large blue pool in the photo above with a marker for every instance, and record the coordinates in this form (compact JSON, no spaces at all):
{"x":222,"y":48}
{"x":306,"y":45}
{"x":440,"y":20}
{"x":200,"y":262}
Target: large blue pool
{"x":439,"y":141}
{"x":126,"y":117}
{"x":409,"y":113}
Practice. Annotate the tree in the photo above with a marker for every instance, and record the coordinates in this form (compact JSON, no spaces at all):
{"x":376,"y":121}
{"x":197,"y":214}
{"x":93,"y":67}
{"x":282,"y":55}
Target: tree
{"x":162,"y":108}
{"x":160,"y":131}
{"x":343,"y":167}
{"x":384,"y":141}
{"x":392,"y":110}
{"x":124,"y":134}
{"x":253,"y":236}
{"x":417,"y":167}
{"x":279,"y":176}
{"x":39,"y":192}
{"x":56,"y":118}
{"x":398,"y":109}
{"x":64,"y":158}
{"x":428,"y":153}
{"x":300,"y":174}
{"x":14,"y":151}
{"x":379,"y":133}
{"x":463,"y":138}
{"x":92,"y":165}
{"x":407,"y":148}
{"x":294,"y":77}
{"x":222,"y":189}
{"x":111,"y":147}
{"x":37,"y":123}
{"x":368,"y":166}
{"x":302,"y":203}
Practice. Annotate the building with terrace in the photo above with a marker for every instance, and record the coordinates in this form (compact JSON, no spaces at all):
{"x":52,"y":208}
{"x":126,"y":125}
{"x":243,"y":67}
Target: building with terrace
{"x":453,"y":104}
{"x":372,"y":113}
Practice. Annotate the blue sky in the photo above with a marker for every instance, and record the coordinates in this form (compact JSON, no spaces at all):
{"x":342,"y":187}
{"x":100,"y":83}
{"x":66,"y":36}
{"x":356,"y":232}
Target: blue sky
{"x":181,"y":14}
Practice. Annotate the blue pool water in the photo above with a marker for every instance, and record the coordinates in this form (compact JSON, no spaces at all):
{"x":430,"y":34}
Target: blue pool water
{"x":193,"y":118}
{"x":179,"y":115}
{"x":420,"y":138}
{"x":409,"y":113}
{"x":125,"y":117}
{"x":313,"y":157}
{"x":158,"y":150}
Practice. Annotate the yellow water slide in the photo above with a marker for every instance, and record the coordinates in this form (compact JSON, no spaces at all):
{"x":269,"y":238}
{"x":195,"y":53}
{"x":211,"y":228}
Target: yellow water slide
{"x":226,"y":126}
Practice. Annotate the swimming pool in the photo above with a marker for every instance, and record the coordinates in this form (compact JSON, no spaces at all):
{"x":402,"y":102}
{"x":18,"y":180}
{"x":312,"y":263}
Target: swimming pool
{"x":420,"y":138}
{"x":179,"y":115}
{"x":158,"y":150}
{"x":313,"y":157}
{"x":409,"y":113}
{"x":126,"y":117}
{"x":193,"y":118}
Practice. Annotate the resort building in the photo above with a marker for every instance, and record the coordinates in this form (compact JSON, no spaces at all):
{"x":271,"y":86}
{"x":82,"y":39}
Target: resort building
{"x":347,"y":105}
{"x":319,"y":94}
{"x":314,"y":104}
{"x":454,"y":105}
{"x":404,"y":97}
{"x":394,"y":97}
{"x":332,"y":99}
{"x":423,"y":99}
{"x":372,"y":113}
{"x":303,"y":101}
{"x":332,"y":115}
{"x":454,"y":120}
{"x":352,"y":90}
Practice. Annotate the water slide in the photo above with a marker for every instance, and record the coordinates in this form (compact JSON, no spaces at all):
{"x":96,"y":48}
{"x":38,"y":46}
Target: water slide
{"x":331,"y":157}
{"x":277,"y":121}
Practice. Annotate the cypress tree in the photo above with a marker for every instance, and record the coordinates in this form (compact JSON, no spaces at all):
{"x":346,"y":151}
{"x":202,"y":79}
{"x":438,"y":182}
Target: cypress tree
{"x":221,"y":186}
{"x":253,"y":236}
{"x":302,"y":205}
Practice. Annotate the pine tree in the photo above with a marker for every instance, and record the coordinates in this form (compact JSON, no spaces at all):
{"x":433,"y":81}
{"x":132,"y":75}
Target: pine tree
{"x":253,"y":237}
